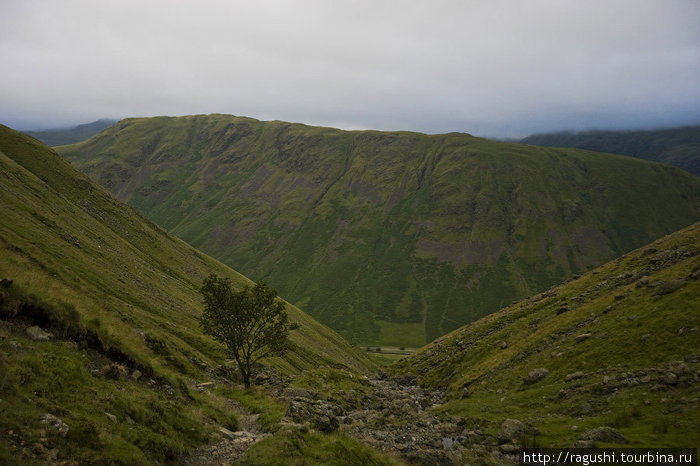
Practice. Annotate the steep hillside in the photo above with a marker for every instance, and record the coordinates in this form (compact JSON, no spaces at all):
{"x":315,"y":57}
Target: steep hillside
{"x":120,"y":296}
{"x":392,"y":238}
{"x":679,"y":147}
{"x":617,"y":347}
{"x":61,"y":136}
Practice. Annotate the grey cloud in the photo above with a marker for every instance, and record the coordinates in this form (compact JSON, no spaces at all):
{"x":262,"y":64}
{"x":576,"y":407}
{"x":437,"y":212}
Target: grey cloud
{"x":491,"y":67}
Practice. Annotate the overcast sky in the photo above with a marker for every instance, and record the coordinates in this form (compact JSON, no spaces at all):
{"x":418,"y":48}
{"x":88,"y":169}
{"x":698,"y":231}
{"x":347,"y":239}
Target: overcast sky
{"x":503,"y":68}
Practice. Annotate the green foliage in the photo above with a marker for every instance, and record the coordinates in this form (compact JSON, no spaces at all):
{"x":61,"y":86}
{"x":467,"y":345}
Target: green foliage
{"x":423,"y":232}
{"x":251,"y":323}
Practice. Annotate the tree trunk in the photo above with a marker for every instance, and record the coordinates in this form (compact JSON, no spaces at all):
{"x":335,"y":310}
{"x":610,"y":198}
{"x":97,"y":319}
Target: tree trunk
{"x":244,"y":367}
{"x":245,"y":373}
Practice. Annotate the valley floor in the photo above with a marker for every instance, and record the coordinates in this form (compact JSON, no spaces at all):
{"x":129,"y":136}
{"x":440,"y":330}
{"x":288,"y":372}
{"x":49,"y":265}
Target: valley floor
{"x":409,"y":423}
{"x":391,"y":415}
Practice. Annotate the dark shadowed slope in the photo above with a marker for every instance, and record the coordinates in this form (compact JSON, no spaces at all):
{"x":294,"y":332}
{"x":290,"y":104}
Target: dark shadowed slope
{"x":61,"y":136}
{"x":678,"y":146}
{"x":388,"y":237}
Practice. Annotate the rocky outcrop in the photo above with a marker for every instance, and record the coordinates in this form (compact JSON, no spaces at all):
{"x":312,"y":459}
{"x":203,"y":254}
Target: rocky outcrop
{"x":599,"y":434}
{"x":320,"y":414}
{"x":511,"y":431}
{"x":395,"y":418}
{"x":37,"y":334}
{"x":535,"y":376}
{"x":60,"y":427}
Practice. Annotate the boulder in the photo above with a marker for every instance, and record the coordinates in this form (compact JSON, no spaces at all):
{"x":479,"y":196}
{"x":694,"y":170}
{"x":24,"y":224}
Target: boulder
{"x":535,"y":376}
{"x":574,"y":376}
{"x":644,"y":281}
{"x":670,"y":378}
{"x":296,"y":392}
{"x":36,"y":333}
{"x":668,"y":287}
{"x":586,"y":408}
{"x":508,"y":448}
{"x":404,"y":380}
{"x":583,"y":337}
{"x":114,"y":371}
{"x":55,"y":423}
{"x":227,"y":433}
{"x":679,"y":368}
{"x":599,"y":434}
{"x":511,"y":431}
{"x":319,"y":413}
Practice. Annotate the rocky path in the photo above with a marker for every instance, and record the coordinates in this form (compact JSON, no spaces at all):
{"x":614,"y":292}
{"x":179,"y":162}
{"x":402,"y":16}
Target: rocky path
{"x":394,"y":416}
{"x":232,"y":445}
{"x":391,"y":415}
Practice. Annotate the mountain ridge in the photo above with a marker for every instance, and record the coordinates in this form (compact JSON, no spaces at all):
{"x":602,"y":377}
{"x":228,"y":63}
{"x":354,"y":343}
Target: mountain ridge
{"x":401,"y":236}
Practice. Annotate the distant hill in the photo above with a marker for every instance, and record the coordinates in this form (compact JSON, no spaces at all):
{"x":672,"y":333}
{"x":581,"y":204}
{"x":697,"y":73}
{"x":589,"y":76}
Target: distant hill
{"x":678,"y":146}
{"x":61,"y":136}
{"x":615,"y":348}
{"x":120,"y":297}
{"x":387,"y":237}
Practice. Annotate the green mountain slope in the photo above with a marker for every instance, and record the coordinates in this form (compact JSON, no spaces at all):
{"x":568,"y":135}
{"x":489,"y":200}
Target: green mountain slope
{"x":61,"y":136}
{"x":119,"y":295}
{"x":619,"y":345}
{"x":679,"y":147}
{"x":387,"y":237}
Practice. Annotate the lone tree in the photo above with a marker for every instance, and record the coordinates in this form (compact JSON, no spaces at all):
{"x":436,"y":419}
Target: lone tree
{"x":252,"y":323}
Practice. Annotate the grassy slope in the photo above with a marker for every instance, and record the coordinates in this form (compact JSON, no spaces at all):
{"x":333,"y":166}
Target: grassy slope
{"x":639,"y":324}
{"x":118,"y":288}
{"x":678,"y":146}
{"x":389,"y":238}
